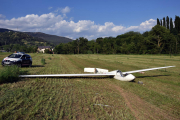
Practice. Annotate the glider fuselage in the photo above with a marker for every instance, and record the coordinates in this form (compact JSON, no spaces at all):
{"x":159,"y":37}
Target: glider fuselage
{"x":128,"y":77}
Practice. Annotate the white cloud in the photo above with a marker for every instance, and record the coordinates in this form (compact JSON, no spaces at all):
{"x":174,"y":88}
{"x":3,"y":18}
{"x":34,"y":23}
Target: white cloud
{"x":50,"y":8}
{"x":2,"y":16}
{"x":63,"y":10}
{"x":55,"y":24}
{"x":66,"y":10}
{"x":148,"y":24}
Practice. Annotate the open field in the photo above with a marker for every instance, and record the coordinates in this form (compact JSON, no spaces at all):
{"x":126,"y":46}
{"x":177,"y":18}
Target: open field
{"x":94,"y":98}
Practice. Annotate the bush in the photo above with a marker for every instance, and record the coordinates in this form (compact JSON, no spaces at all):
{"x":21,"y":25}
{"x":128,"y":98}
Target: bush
{"x":89,"y":52}
{"x":9,"y":74}
{"x":43,"y":61}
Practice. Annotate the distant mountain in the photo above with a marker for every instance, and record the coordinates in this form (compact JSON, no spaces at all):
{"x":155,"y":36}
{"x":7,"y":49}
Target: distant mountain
{"x":10,"y":38}
{"x":49,"y":38}
{"x":5,"y":30}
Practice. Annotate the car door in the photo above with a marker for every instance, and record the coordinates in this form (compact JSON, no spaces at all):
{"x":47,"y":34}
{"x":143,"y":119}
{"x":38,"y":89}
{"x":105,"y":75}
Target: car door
{"x":24,"y":60}
{"x":28,"y":59}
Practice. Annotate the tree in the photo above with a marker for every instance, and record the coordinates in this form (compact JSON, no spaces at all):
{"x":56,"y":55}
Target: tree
{"x":46,"y":51}
{"x":78,"y":45}
{"x":114,"y":46}
{"x":177,"y":23}
{"x":157,"y":37}
{"x":124,"y":48}
{"x":145,"y":34}
{"x":7,"y":48}
{"x":81,"y":45}
{"x":67,"y":48}
{"x":99,"y":45}
{"x":158,"y":23}
{"x":58,"y":49}
{"x":167,"y":22}
{"x":175,"y":33}
{"x":91,"y":46}
{"x":171,"y":24}
{"x":164,"y":22}
{"x":74,"y":46}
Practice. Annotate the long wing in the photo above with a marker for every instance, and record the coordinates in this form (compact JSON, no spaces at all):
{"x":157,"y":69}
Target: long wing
{"x":67,"y":75}
{"x":135,"y":71}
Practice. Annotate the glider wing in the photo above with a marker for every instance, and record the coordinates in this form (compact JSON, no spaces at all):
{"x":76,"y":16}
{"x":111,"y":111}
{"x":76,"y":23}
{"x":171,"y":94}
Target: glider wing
{"x":135,"y":71}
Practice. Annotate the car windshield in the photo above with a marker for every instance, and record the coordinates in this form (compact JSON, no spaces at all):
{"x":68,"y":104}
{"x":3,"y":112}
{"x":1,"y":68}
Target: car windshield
{"x":14,"y":56}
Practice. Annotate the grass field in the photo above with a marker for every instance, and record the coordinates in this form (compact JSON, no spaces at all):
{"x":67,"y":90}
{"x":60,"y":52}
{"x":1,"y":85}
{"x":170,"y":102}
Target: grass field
{"x":94,"y":98}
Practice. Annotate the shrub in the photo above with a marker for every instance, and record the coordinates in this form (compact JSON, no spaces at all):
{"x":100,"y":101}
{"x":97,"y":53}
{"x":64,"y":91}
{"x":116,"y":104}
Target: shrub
{"x":89,"y":52}
{"x":43,"y":61}
{"x":9,"y":74}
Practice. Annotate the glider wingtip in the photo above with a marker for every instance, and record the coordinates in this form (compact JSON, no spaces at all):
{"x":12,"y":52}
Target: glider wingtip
{"x":173,"y":66}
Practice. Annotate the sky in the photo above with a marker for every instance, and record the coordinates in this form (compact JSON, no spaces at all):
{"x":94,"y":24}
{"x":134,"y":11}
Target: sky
{"x":85,"y":18}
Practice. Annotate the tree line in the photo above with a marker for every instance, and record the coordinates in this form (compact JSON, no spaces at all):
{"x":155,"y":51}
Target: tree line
{"x":159,"y":40}
{"x":164,"y":38}
{"x":169,"y":24}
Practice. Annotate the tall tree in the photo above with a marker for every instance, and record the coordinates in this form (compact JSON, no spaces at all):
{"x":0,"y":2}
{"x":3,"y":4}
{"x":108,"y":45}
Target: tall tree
{"x":83,"y":45}
{"x":171,"y":24}
{"x":167,"y":22}
{"x":164,"y":22}
{"x":177,"y":23}
{"x":158,"y":23}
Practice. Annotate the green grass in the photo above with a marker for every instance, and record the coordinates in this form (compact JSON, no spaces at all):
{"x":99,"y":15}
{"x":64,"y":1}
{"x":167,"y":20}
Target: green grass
{"x":93,"y":98}
{"x":9,"y":74}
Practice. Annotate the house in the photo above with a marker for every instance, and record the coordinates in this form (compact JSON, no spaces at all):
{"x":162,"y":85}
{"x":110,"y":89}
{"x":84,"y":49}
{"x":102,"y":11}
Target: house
{"x":42,"y":48}
{"x":3,"y":51}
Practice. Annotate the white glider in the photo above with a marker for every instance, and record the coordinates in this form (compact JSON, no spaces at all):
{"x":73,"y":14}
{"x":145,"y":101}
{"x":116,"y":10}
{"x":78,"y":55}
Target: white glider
{"x":122,"y":76}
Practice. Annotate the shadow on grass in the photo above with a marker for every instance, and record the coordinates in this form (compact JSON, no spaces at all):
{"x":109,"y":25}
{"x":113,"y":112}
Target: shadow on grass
{"x":23,"y":72}
{"x":100,"y":77}
{"x":73,"y":77}
{"x":37,"y":66}
{"x":151,"y":76}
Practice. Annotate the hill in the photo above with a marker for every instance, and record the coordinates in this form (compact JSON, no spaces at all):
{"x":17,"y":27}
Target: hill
{"x":5,"y":30}
{"x":50,"y":38}
{"x":19,"y":41}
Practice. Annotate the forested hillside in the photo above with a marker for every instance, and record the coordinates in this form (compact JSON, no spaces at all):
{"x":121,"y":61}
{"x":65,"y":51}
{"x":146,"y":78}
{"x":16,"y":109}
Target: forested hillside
{"x":159,"y":40}
{"x":50,"y":38}
{"x":18,"y":41}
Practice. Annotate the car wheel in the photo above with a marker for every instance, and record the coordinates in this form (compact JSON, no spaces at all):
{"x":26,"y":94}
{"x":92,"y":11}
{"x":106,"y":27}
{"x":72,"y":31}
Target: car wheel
{"x":30,"y":65}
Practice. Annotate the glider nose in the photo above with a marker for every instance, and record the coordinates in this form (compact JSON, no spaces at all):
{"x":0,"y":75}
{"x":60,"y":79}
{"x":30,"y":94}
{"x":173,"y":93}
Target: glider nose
{"x":132,"y":77}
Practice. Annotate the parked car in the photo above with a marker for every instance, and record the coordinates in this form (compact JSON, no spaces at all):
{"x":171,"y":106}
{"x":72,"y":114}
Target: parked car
{"x":19,"y":58}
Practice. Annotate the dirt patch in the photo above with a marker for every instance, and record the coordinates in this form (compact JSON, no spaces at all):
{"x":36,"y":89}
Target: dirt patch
{"x":140,"y":108}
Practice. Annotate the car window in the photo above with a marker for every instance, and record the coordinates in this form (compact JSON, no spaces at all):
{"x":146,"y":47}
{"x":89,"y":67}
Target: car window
{"x":14,"y":56}
{"x":27,"y":57}
{"x":23,"y":57}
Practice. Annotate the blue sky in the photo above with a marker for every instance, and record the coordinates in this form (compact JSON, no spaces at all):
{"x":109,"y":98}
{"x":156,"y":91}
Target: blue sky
{"x":85,"y":18}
